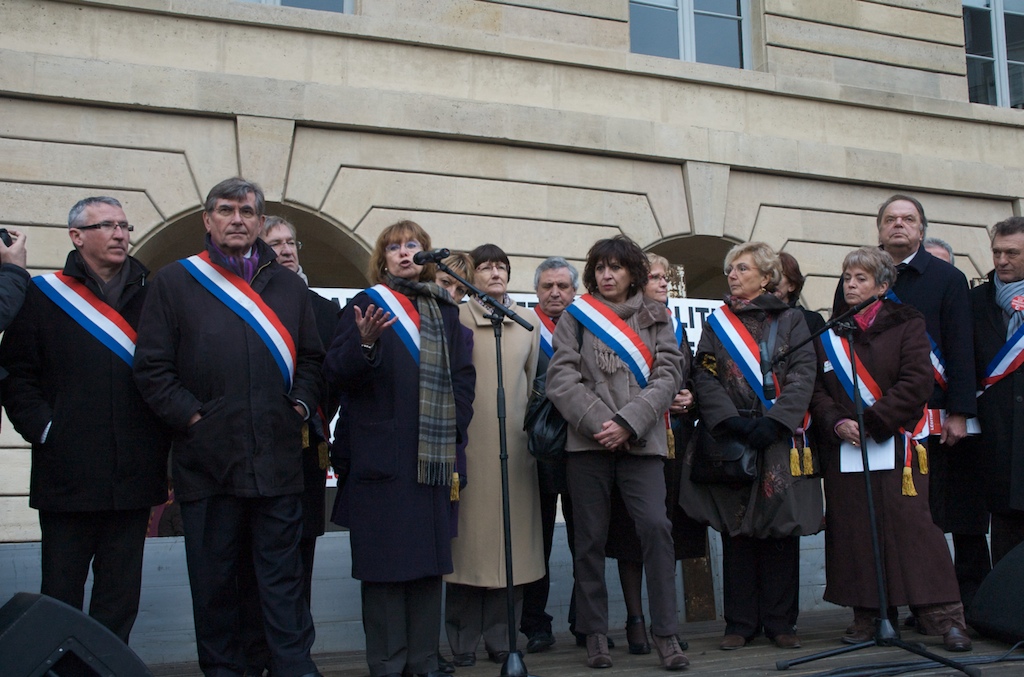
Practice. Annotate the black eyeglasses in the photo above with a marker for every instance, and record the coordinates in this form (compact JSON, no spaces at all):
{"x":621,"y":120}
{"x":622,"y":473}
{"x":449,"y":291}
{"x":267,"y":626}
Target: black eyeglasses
{"x":108,"y":226}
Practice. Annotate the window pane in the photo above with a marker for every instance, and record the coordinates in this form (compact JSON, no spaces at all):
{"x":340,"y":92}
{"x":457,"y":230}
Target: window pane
{"x":325,"y":5}
{"x":1014,"y":37}
{"x":653,"y":31}
{"x":978,"y":32}
{"x":1016,"y":73}
{"x":1014,"y":6}
{"x":730,"y":7}
{"x":981,"y":80}
{"x":719,"y":40}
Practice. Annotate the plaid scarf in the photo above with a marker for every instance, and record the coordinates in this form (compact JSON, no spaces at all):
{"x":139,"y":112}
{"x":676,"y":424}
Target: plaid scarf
{"x":436,"y":451}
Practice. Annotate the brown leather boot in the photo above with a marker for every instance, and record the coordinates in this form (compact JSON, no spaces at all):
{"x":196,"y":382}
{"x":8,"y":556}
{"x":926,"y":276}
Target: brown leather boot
{"x":597,"y":651}
{"x":672,"y":657}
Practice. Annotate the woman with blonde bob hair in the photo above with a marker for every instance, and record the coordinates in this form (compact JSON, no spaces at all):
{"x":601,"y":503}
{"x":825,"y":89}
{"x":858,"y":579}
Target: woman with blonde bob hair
{"x":761,"y":521}
{"x":894,"y":367}
{"x":406,"y":401}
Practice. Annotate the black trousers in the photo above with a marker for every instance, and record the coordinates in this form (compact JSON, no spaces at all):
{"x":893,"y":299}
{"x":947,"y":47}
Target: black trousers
{"x":535,"y":595}
{"x":1007,"y":533}
{"x":112,"y":541}
{"x":402,"y":622}
{"x":216,"y":532}
{"x":761,"y":585}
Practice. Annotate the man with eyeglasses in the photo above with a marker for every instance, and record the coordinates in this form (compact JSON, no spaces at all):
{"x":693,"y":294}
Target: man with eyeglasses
{"x":229,"y":357}
{"x":99,"y":454}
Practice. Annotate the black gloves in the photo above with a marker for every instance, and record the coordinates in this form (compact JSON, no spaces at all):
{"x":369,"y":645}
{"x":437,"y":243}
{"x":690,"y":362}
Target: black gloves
{"x":766,"y":431}
{"x":737,"y":425}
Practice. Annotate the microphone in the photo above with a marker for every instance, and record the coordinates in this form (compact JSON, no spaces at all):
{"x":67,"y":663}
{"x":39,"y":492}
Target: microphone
{"x":433,"y":256}
{"x":862,"y":305}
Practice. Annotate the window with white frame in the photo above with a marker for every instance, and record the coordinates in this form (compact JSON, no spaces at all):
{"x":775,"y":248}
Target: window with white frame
{"x":994,"y":40}
{"x":706,"y":31}
{"x":344,"y":6}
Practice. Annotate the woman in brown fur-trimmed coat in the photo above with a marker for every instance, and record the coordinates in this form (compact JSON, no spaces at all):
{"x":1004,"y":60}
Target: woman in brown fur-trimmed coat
{"x":890,"y":340}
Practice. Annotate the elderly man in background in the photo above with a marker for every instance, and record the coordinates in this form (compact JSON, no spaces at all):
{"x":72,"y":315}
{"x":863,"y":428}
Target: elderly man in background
{"x":998,"y":307}
{"x":555,"y":282}
{"x":940,"y":249}
{"x":99,"y":455}
{"x":230,"y":358}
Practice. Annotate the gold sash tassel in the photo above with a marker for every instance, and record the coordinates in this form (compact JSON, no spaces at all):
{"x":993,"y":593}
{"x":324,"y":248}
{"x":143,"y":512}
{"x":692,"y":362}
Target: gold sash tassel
{"x":808,"y":462}
{"x":922,"y":458}
{"x":454,"y":496}
{"x":908,"y":481}
{"x":794,"y":463}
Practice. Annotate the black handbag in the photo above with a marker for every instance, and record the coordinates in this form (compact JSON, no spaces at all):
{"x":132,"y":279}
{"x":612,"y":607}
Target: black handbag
{"x":722,"y":458}
{"x":546,"y":430}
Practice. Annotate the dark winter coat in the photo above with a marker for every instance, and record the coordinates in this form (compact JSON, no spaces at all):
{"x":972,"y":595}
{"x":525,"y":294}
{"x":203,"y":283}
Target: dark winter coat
{"x":314,"y":477}
{"x":399,"y":529}
{"x":940,"y":292}
{"x":195,"y":355}
{"x":105,"y":449}
{"x":1000,"y":409}
{"x":777,"y":504}
{"x":918,"y":568}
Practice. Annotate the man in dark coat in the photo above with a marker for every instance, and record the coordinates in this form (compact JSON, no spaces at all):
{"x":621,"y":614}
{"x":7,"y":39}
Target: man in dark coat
{"x":99,"y":455}
{"x":998,"y":307}
{"x":555,"y":282}
{"x":940,"y":292}
{"x":283,"y":239}
{"x":229,"y":357}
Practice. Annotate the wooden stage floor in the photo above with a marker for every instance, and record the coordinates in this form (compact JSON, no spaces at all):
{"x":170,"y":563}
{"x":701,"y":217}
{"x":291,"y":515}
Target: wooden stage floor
{"x":819,"y":631}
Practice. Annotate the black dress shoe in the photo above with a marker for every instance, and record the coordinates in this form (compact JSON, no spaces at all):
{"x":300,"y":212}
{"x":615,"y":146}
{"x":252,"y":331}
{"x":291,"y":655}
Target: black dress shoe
{"x":464,"y":660}
{"x":445,"y":665}
{"x":540,"y":641}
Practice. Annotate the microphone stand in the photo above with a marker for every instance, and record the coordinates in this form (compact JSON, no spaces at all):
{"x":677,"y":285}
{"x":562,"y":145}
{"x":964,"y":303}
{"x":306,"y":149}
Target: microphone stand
{"x":513,"y":665}
{"x":885,"y":633}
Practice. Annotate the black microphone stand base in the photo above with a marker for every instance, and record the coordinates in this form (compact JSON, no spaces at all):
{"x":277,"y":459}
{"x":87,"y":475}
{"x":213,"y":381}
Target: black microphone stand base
{"x":885,"y":635}
{"x":514,"y":666}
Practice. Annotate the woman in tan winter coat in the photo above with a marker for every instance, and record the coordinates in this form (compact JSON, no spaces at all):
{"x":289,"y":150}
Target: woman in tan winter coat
{"x":475,"y":603}
{"x":616,"y":367}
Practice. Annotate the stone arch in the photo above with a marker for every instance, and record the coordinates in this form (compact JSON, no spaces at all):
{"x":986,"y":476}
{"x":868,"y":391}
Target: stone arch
{"x":701,"y":257}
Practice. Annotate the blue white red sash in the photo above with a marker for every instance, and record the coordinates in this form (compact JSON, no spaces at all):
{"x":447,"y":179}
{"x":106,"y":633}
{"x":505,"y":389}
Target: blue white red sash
{"x":547,"y":330}
{"x":613,"y":331}
{"x":938,"y":362}
{"x":90,"y":312}
{"x":241,"y":299}
{"x":399,"y":305}
{"x":1009,"y":358}
{"x":677,"y":326}
{"x":742,"y":348}
{"x":838,"y":352}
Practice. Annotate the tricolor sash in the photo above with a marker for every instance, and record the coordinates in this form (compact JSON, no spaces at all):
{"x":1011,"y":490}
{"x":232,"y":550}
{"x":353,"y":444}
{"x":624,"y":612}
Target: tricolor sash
{"x":547,"y":330}
{"x":677,"y":326}
{"x":399,"y":305}
{"x":938,"y":362}
{"x":1006,"y":361}
{"x":837,"y":350}
{"x":613,"y":331}
{"x":241,"y":299}
{"x":742,"y":348}
{"x":90,"y":312}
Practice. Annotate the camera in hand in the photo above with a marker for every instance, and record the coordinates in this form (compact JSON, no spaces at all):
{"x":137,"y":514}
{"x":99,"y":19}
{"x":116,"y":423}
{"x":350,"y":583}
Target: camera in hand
{"x":6,"y":237}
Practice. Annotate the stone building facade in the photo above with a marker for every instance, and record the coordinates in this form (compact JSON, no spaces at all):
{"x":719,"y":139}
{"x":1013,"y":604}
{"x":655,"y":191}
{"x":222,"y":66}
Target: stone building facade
{"x":533,"y":124}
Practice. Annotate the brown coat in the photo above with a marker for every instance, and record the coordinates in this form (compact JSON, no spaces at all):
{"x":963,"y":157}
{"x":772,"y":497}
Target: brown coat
{"x":918,"y":568}
{"x":478,"y":552}
{"x":778,"y":504}
{"x":587,"y":397}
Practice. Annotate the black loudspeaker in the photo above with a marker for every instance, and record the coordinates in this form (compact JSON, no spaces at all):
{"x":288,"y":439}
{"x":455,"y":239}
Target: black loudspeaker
{"x":998,"y":607}
{"x":41,"y":636}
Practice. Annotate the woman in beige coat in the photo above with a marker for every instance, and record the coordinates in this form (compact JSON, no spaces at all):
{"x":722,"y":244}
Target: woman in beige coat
{"x":475,"y":603}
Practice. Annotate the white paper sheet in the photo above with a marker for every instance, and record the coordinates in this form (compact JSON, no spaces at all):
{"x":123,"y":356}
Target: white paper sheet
{"x":881,"y":456}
